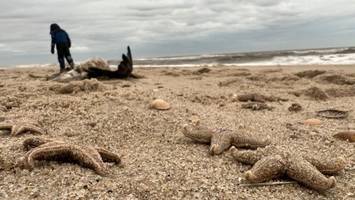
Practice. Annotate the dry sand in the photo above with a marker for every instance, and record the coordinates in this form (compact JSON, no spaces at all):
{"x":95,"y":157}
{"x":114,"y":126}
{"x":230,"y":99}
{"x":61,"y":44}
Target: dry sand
{"x":158,"y":161}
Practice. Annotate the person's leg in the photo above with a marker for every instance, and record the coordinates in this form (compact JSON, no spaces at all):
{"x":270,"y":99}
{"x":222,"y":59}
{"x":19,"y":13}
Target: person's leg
{"x":69,"y":58}
{"x":60,"y":54}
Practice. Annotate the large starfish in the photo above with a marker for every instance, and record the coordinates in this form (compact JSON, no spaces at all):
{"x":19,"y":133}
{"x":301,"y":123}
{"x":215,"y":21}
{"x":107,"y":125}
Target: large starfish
{"x":19,"y":128}
{"x":221,"y":139}
{"x":87,"y":156}
{"x":270,"y":163}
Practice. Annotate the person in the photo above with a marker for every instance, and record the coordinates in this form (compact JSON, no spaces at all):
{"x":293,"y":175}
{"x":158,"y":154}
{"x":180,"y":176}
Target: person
{"x":61,"y":40}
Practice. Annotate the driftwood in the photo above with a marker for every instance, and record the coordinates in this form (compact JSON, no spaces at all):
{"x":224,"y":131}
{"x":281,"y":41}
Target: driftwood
{"x":96,"y":68}
{"x":124,"y":69}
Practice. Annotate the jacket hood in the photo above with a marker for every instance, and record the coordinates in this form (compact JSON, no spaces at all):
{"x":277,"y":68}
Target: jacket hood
{"x":54,"y":28}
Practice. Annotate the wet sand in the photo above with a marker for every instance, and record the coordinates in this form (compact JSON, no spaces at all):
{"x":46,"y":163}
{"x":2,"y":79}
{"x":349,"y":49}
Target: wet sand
{"x":158,"y":161}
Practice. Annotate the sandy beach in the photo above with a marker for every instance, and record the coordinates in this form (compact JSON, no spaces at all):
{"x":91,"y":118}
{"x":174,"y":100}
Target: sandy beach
{"x":158,"y":161}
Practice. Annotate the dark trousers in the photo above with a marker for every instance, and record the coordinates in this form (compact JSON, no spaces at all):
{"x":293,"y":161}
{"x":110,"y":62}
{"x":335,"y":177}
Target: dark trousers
{"x":64,"y":52}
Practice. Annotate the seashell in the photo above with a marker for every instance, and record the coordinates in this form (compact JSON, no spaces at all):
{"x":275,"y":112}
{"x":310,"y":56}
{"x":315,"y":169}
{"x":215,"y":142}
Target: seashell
{"x":346,"y":135}
{"x":160,"y":104}
{"x":333,"y":114}
{"x":312,"y":122}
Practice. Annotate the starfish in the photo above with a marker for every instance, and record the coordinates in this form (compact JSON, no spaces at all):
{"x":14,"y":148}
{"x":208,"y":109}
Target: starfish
{"x":87,"y":156}
{"x":306,"y":169}
{"x":19,"y":128}
{"x":222,"y":139}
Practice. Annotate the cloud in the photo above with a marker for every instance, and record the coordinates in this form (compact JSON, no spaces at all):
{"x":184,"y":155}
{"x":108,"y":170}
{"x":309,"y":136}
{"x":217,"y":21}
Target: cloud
{"x":160,"y":27}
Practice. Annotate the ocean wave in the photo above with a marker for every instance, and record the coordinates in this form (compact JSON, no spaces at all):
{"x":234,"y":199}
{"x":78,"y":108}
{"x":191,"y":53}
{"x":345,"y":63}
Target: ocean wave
{"x":196,"y":57}
{"x":287,"y":57}
{"x":330,"y":59}
{"x":330,"y":56}
{"x":321,"y":51}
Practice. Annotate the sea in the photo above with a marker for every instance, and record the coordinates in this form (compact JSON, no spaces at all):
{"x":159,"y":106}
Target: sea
{"x":322,"y":56}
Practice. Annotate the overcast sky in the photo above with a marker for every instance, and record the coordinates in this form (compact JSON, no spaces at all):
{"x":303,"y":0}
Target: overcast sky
{"x":171,"y":27}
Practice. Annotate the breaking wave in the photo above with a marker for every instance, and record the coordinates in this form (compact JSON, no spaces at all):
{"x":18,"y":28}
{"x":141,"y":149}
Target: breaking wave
{"x":328,"y":56}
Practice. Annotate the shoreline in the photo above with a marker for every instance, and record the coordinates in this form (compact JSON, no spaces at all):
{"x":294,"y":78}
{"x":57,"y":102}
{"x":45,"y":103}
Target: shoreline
{"x":256,"y":66}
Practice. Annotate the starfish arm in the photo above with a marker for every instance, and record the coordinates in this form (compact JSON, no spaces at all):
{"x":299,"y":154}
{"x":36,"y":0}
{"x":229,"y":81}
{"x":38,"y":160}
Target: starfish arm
{"x":5,"y":126}
{"x":304,"y":172}
{"x":328,"y":166}
{"x":22,"y":129}
{"x":44,"y":153}
{"x":248,"y":141}
{"x":108,"y":156}
{"x":251,"y":97}
{"x":266,"y":169}
{"x":246,"y":156}
{"x":89,"y":157}
{"x":14,"y":130}
{"x":260,"y":98}
{"x":67,"y":152}
{"x":245,"y":97}
{"x":220,"y":142}
{"x":198,"y":133}
{"x":23,"y":161}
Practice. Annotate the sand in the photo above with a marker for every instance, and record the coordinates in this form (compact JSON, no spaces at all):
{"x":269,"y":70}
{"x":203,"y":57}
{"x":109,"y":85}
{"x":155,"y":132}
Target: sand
{"x":158,"y":161}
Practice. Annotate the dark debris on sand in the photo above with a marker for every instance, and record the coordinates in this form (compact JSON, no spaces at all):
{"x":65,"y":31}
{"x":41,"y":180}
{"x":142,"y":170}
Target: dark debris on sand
{"x":315,"y":93}
{"x":336,"y":79}
{"x":310,"y":73}
{"x":259,"y":98}
{"x":256,"y":106}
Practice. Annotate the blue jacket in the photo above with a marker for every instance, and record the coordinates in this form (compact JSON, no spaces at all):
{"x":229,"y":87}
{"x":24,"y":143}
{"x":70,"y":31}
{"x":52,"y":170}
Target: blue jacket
{"x":60,"y":37}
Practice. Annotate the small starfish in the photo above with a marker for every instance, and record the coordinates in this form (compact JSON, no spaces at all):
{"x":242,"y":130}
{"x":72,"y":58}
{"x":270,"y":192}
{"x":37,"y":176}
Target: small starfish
{"x":222,"y":139}
{"x":87,"y":156}
{"x":306,"y":169}
{"x":19,"y":128}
